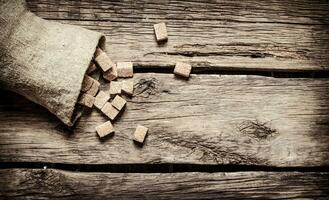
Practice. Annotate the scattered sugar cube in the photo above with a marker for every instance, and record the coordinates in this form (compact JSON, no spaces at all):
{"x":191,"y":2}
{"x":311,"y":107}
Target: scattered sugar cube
{"x":182,"y":69}
{"x":125,"y":69}
{"x":111,"y":74}
{"x":115,"y":88}
{"x":140,"y":133}
{"x":128,"y":87}
{"x":160,"y":32}
{"x":110,"y":111}
{"x":118,"y":102}
{"x":104,"y":129}
{"x":86,"y":83}
{"x":86,"y":100}
{"x":101,"y":99}
{"x":92,"y":67}
{"x":104,"y":61}
{"x":94,"y":88}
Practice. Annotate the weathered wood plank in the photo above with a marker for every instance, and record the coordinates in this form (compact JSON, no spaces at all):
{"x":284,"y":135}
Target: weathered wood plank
{"x":209,"y":119}
{"x":55,"y":184}
{"x":211,"y":35}
{"x":252,"y":11}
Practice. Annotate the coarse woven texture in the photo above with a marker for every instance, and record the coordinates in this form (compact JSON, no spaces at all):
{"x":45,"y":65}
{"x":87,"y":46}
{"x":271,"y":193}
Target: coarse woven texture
{"x":42,"y":60}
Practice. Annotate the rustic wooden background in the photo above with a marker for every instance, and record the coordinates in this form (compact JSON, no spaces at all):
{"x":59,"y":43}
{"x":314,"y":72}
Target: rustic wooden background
{"x":260,"y":136}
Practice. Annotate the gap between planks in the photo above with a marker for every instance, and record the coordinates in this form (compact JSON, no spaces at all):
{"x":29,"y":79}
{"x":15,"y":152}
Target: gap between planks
{"x":223,"y":71}
{"x":157,"y":168}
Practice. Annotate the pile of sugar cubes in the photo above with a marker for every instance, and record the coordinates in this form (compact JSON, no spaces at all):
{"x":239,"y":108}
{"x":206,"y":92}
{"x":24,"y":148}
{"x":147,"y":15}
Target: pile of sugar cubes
{"x":112,"y":103}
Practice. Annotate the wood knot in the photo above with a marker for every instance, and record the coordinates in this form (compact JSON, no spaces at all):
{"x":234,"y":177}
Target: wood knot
{"x":47,"y":180}
{"x":256,"y":129}
{"x":146,"y":87}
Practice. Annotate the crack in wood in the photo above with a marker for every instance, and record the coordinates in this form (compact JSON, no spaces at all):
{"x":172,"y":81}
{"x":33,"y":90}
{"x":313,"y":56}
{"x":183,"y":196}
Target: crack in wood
{"x":216,"y":53}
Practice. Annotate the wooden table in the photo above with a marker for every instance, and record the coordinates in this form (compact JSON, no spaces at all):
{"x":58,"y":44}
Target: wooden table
{"x":254,"y":113}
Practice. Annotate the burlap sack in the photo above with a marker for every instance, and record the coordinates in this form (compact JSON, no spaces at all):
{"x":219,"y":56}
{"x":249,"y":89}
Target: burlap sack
{"x":42,"y":60}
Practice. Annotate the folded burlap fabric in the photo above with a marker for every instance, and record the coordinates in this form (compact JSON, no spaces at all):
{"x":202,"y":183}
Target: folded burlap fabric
{"x":42,"y":60}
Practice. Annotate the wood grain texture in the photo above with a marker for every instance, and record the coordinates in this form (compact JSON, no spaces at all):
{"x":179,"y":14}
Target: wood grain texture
{"x":211,"y":35}
{"x":57,"y":184}
{"x":209,"y":119}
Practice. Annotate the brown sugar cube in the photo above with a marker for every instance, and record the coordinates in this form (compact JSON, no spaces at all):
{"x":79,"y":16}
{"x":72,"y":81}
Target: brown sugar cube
{"x":101,"y":99}
{"x":92,"y":67}
{"x":182,"y":69}
{"x":140,"y":133}
{"x":96,"y":75}
{"x":128,"y":87}
{"x":110,"y":111}
{"x":86,"y":83}
{"x":115,"y":88}
{"x":104,"y":129}
{"x":94,"y":88}
{"x":86,"y":100}
{"x":104,"y":61}
{"x":111,"y":74}
{"x":118,"y":102}
{"x":160,"y":32}
{"x":125,"y":69}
